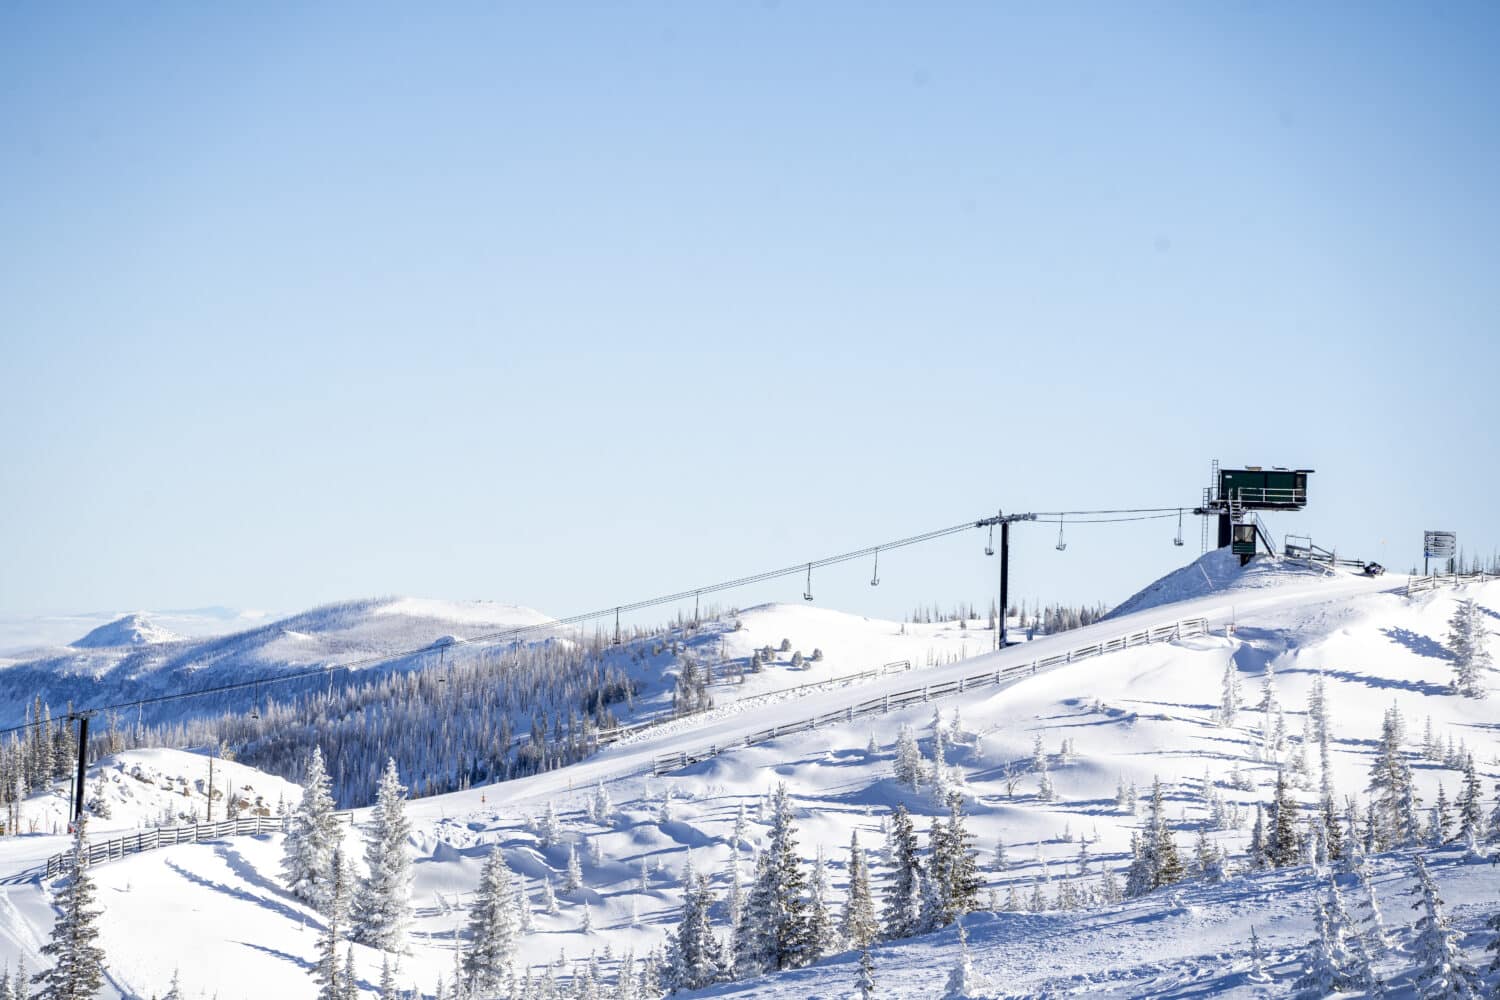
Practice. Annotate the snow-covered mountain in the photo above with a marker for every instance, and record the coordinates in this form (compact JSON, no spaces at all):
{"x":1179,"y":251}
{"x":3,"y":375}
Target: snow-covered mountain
{"x":132,"y":630}
{"x":1090,"y":731}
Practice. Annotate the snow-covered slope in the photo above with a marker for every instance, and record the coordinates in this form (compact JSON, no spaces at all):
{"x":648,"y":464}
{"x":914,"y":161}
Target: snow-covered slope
{"x":1128,"y":717}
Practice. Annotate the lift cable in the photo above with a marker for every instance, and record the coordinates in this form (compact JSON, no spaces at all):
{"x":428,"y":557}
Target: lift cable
{"x":516,"y":632}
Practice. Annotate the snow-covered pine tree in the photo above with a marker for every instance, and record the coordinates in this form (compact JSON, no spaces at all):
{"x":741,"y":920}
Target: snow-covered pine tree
{"x":1466,"y":644}
{"x":326,"y":971}
{"x":964,"y":983}
{"x":777,"y":909}
{"x":627,"y":986}
{"x":382,"y":906}
{"x":903,"y":900}
{"x":573,"y":877}
{"x":1440,"y":827}
{"x":312,"y":837}
{"x":955,"y":872}
{"x":1230,"y":698}
{"x":693,"y":953}
{"x":1324,"y":963}
{"x":741,"y":829}
{"x":858,"y":925}
{"x":823,"y":937}
{"x":388,"y":989}
{"x":1257,"y":960}
{"x":1470,"y":806}
{"x":1392,"y":799}
{"x":77,"y":971}
{"x":1166,"y":865}
{"x":601,"y":807}
{"x":548,"y":828}
{"x":1374,"y":935}
{"x":350,"y":977}
{"x":1441,"y":973}
{"x":865,"y":982}
{"x":492,"y":927}
{"x":908,"y":766}
{"x":1140,"y":876}
{"x":1283,"y":847}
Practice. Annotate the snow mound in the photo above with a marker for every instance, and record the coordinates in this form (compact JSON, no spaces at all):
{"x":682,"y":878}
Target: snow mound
{"x":1215,"y":571}
{"x":132,"y":630}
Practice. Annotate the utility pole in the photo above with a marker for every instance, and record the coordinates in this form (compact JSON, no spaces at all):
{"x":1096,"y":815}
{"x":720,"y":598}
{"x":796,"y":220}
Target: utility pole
{"x":1003,"y":520}
{"x":83,"y":757}
{"x":210,"y":786}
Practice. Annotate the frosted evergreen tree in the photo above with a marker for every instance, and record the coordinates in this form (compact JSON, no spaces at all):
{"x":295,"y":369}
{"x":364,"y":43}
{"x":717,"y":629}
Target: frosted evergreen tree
{"x":693,"y":954}
{"x":1324,"y":963}
{"x":1441,"y":973}
{"x":548,"y":828}
{"x":776,"y":915}
{"x":865,"y":981}
{"x":1282,"y":844}
{"x":963,"y":982}
{"x":1466,"y":643}
{"x":1166,"y":866}
{"x":736,"y":900}
{"x":601,"y":807}
{"x":549,"y":898}
{"x":492,"y":927}
{"x":1470,"y":806}
{"x":388,"y":990}
{"x":627,"y":986}
{"x":330,"y":979}
{"x":1230,"y":698}
{"x":858,"y":924}
{"x":1392,"y":799}
{"x":1045,"y":792}
{"x":741,"y":829}
{"x":823,"y":937}
{"x":1439,"y":828}
{"x":954,"y":873}
{"x":382,"y":907}
{"x":1374,"y":934}
{"x":77,"y":971}
{"x":586,"y":922}
{"x":903,"y":899}
{"x":941,"y":778}
{"x":350,"y":977}
{"x":573,"y":879}
{"x":312,"y":837}
{"x":1257,"y":960}
{"x":908,"y":765}
{"x":1140,"y":877}
{"x":1207,"y":860}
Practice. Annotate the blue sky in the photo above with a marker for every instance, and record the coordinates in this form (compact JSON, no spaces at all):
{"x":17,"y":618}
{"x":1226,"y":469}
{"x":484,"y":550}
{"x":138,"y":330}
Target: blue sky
{"x":567,"y":305}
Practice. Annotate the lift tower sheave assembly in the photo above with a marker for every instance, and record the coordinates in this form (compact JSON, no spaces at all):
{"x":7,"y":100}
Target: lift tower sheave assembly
{"x":1234,"y":496}
{"x":1003,"y":520}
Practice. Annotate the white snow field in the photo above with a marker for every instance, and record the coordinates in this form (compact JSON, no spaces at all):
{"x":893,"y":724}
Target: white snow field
{"x":218,"y":914}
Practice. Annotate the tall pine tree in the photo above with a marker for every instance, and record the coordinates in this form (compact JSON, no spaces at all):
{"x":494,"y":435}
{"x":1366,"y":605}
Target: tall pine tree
{"x":382,"y":909}
{"x":77,"y":971}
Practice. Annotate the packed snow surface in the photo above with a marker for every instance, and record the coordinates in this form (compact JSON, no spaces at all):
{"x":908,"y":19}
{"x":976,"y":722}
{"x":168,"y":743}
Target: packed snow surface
{"x":218,"y":914}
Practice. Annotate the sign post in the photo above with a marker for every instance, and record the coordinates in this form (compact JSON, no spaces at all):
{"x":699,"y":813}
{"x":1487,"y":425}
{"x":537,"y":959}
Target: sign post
{"x":1438,"y":545}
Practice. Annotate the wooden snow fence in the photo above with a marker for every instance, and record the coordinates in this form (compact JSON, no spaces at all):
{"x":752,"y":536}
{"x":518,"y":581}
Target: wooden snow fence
{"x":1417,"y":584}
{"x":1187,"y":628}
{"x":170,"y":836}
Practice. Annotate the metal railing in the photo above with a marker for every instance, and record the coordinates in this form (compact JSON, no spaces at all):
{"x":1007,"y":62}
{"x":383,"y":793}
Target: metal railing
{"x":1187,"y":628}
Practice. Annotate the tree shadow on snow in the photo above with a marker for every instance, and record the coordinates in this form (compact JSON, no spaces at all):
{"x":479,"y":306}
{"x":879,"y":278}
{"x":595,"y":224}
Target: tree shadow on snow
{"x":285,"y":956}
{"x":1418,"y":643}
{"x":234,"y":892}
{"x":1416,"y":687}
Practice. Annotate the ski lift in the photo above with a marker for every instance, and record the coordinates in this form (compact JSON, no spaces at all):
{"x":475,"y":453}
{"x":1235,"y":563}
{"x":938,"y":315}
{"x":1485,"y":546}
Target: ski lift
{"x":1061,"y":545}
{"x":807,"y":594}
{"x":875,"y":574}
{"x":1178,"y":540}
{"x":989,"y":546}
{"x":255,"y":704}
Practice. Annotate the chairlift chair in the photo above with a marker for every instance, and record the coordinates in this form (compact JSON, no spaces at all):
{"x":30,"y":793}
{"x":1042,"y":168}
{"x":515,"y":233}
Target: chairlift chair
{"x":807,"y":594}
{"x":1061,"y":545}
{"x":1178,"y":540}
{"x":989,"y":546}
